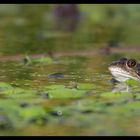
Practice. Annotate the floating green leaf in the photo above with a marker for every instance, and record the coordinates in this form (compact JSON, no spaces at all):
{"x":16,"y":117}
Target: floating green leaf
{"x":5,"y":86}
{"x":19,"y":93}
{"x":132,"y":82}
{"x":60,"y":91}
{"x":47,"y":60}
{"x":32,"y":113}
{"x":86,"y":86}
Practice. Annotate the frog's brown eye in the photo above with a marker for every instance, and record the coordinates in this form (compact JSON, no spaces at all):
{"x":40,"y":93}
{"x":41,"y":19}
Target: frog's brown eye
{"x":131,"y":63}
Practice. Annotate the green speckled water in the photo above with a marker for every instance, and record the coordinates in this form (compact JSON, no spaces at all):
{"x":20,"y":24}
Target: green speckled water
{"x":79,"y":103}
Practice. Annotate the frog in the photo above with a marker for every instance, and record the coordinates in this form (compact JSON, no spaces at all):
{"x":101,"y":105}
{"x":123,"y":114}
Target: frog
{"x":124,"y":69}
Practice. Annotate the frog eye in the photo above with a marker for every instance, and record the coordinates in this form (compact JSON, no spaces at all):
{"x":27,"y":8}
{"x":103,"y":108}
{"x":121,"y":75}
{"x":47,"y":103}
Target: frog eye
{"x":131,"y":63}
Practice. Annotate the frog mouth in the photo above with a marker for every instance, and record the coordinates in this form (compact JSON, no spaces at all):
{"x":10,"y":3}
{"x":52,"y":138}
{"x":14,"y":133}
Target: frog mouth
{"x":120,"y":74}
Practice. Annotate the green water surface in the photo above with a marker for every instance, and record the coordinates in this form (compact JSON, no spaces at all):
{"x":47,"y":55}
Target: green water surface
{"x":31,"y":103}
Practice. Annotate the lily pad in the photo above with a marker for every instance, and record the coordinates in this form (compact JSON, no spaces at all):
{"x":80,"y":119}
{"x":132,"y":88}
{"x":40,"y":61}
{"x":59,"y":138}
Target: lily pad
{"x":16,"y":113}
{"x":66,"y":93}
{"x":32,"y":113}
{"x":19,"y":93}
{"x":116,"y":95}
{"x":47,"y":60}
{"x":5,"y":86}
{"x":132,"y":82}
{"x":27,"y":60}
{"x":86,"y":86}
{"x":60,"y":91}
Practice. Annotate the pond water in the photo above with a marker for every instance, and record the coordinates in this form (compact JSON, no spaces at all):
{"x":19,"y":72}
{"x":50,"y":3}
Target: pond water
{"x":67,"y":94}
{"x":78,"y":101}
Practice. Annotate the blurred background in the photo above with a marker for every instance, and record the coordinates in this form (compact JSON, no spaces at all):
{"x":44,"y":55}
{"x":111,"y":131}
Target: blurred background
{"x":39,"y":28}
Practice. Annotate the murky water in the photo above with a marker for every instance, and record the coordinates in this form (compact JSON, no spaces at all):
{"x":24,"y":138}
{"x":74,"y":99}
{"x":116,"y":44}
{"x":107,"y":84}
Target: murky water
{"x":80,"y":100}
{"x":115,"y":114}
{"x":78,"y":69}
